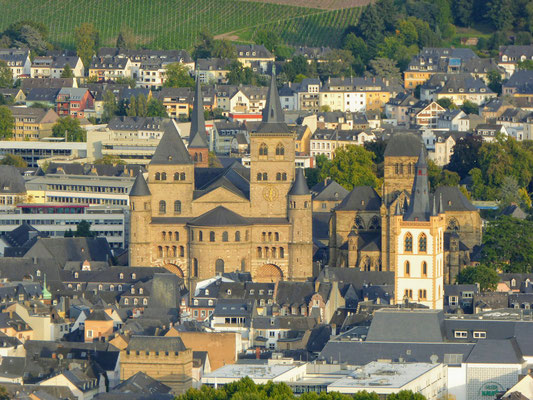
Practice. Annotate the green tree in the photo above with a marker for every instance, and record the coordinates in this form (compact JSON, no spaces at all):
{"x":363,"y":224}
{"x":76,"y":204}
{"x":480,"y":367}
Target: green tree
{"x":351,"y":166}
{"x":525,"y":65}
{"x":337,"y":63}
{"x":87,"y":41}
{"x":177,"y":75}
{"x":509,"y":192}
{"x":385,"y":68}
{"x":4,"y":395}
{"x":267,"y":38}
{"x":83,"y":229}
{"x":121,"y":42}
{"x":465,"y":155}
{"x":508,"y":245}
{"x":408,"y":32}
{"x":28,"y":34}
{"x":495,"y":81}
{"x":405,"y":395}
{"x":7,"y":123}
{"x":110,"y":160}
{"x":371,"y":26}
{"x":110,"y":106}
{"x":447,"y":103}
{"x":312,"y":176}
{"x":441,"y":177}
{"x":223,"y":49}
{"x":122,"y":80}
{"x":67,"y":72}
{"x":6,"y":76}
{"x":486,"y":277}
{"x":70,"y":129}
{"x":499,"y":14}
{"x":14,"y":160}
{"x":204,"y":47}
{"x":126,"y":38}
{"x":156,"y":108}
{"x":469,"y":107}
{"x":142,"y":105}
{"x":131,"y":110}
{"x":462,"y":12}
{"x":297,"y":66}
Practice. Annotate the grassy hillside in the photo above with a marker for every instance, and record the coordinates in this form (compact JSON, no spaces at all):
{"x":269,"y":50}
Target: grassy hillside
{"x":176,"y":23}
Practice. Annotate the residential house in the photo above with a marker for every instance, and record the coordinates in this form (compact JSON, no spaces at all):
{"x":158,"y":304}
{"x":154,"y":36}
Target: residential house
{"x":430,"y":61}
{"x":307,"y":95}
{"x":74,"y":102}
{"x":224,"y":133}
{"x":510,"y":56}
{"x":248,"y":100}
{"x":479,"y":68}
{"x":178,"y":101}
{"x":326,"y":141}
{"x":13,"y":326}
{"x":247,"y":54}
{"x":271,"y":331}
{"x":213,"y":70}
{"x":81,"y":384}
{"x":443,"y":147}
{"x":18,"y":61}
{"x":493,"y":109}
{"x":43,"y":320}
{"x":302,"y":140}
{"x":312,"y":54}
{"x":489,"y":131}
{"x":32,"y":123}
{"x":98,"y":326}
{"x":327,"y":194}
{"x":53,"y":66}
{"x":425,"y":113}
{"x":110,"y":68}
{"x":452,"y":121}
{"x":397,"y":108}
{"x":288,"y":97}
{"x":28,"y":84}
{"x":514,"y":120}
{"x":519,"y":85}
{"x":42,"y":96}
{"x":456,"y":87}
{"x":13,"y":96}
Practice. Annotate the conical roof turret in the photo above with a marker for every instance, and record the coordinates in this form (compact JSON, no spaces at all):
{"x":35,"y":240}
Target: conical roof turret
{"x":140,"y":187}
{"x":273,"y":118}
{"x":171,"y":150}
{"x":299,"y":186}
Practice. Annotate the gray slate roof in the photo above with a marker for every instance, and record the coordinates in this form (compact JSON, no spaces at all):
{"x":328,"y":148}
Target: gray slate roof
{"x":11,"y":181}
{"x":453,"y":199}
{"x":171,"y":149}
{"x":361,"y":198}
{"x":156,"y":343}
{"x":299,"y":186}
{"x":403,"y":145}
{"x":140,"y":187}
{"x":219,"y":216}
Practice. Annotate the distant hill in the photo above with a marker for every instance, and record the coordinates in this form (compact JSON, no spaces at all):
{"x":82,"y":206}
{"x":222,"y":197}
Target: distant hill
{"x":176,"y":23}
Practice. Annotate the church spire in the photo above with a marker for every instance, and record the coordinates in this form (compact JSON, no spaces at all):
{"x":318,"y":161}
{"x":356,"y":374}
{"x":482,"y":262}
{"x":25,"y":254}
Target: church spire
{"x":197,"y":137}
{"x":272,"y":113}
{"x":419,"y":209}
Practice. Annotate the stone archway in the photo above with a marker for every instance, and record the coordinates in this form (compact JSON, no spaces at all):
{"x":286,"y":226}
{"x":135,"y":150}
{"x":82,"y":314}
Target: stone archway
{"x":268,"y":273}
{"x":174,"y":269}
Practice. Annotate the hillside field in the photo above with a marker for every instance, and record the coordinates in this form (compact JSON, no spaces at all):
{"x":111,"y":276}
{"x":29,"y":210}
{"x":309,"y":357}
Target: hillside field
{"x":168,"y":24}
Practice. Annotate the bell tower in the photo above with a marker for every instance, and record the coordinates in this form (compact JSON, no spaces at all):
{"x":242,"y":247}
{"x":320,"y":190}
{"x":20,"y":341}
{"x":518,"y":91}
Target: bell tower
{"x":272,"y":152}
{"x":198,"y":146}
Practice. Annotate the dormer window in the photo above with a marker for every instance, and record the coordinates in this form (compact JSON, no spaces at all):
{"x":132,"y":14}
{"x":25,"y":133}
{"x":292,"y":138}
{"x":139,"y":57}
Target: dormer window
{"x":228,"y":291}
{"x":207,"y":292}
{"x":76,"y":275}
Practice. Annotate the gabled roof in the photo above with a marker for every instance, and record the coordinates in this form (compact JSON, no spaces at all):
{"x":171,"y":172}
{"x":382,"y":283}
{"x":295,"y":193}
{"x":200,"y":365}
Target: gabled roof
{"x":156,"y":343}
{"x":299,"y":186}
{"x":419,"y":204}
{"x":453,"y":199}
{"x":219,"y":216}
{"x":171,"y":149}
{"x":360,"y":198}
{"x":273,"y":117}
{"x":328,"y":190}
{"x":493,"y":351}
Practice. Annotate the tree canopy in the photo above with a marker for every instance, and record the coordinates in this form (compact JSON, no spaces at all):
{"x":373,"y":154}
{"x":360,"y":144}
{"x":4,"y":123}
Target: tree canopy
{"x":14,"y":160}
{"x":486,"y":277}
{"x":7,"y":123}
{"x":70,"y":129}
{"x":177,"y":75}
{"x":87,"y":40}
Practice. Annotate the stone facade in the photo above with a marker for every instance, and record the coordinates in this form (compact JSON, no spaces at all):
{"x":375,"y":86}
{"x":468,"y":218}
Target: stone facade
{"x":199,"y":222}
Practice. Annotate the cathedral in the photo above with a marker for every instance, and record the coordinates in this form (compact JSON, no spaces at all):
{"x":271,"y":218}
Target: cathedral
{"x":406,"y":229}
{"x":198,"y":221}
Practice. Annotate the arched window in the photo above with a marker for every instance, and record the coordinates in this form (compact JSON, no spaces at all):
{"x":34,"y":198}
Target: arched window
{"x":135,"y":301}
{"x":276,"y":236}
{"x":141,"y":290}
{"x":274,"y":252}
{"x":177,"y":207}
{"x":259,"y":176}
{"x":176,"y":176}
{"x":408,"y":242}
{"x":200,"y":236}
{"x":126,"y":301}
{"x":225,"y":236}
{"x":200,"y":157}
{"x":195,"y":268}
{"x":243,"y":264}
{"x":195,"y":157}
{"x":112,"y":287}
{"x":211,"y":236}
{"x":407,"y":268}
{"x":182,"y":251}
{"x":397,"y":168}
{"x":284,"y":176}
{"x":278,"y":176}
{"x":174,"y":251}
{"x":182,"y":176}
{"x":100,"y":287}
{"x":374,"y":223}
{"x":166,"y":251}
{"x":265,"y":176}
{"x":281,"y":252}
{"x":238,"y":236}
{"x":164,"y":235}
{"x":157,"y":176}
{"x":269,"y":236}
{"x":280,"y":150}
{"x":359,"y":224}
{"x":266,"y":252}
{"x":453,"y":225}
{"x":263,"y":149}
{"x":422,"y":294}
{"x":162,"y":207}
{"x":263,"y":236}
{"x":259,"y":252}
{"x":145,"y":301}
{"x":176,"y":236}
{"x":164,"y":176}
{"x":424,"y":269}
{"x":422,"y":243}
{"x":159,"y":251}
{"x":219,"y":266}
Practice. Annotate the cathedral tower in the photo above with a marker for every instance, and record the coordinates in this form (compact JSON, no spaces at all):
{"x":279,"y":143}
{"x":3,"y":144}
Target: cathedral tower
{"x":420,"y":244}
{"x":198,"y":146}
{"x":300,"y":217}
{"x":272,"y":152}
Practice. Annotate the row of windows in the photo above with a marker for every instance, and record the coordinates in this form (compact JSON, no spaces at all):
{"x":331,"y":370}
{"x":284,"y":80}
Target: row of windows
{"x":422,"y":243}
{"x":162,"y":176}
{"x":136,"y":301}
{"x":407,"y":269}
{"x":170,"y":235}
{"x":86,"y":188}
{"x":163,"y":207}
{"x":263,"y":150}
{"x":422,"y":294}
{"x":280,"y":176}
{"x":170,"y":251}
{"x":270,"y":252}
{"x":225,"y":236}
{"x":410,"y":168}
{"x":374,"y":223}
{"x":85,"y":200}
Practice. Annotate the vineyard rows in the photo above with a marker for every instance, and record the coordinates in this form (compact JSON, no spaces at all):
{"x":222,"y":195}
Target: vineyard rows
{"x":176,"y":23}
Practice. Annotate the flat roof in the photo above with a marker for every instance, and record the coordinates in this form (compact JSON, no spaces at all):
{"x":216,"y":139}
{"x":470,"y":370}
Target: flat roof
{"x":25,"y":144}
{"x":383,"y":375}
{"x":255,"y":371}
